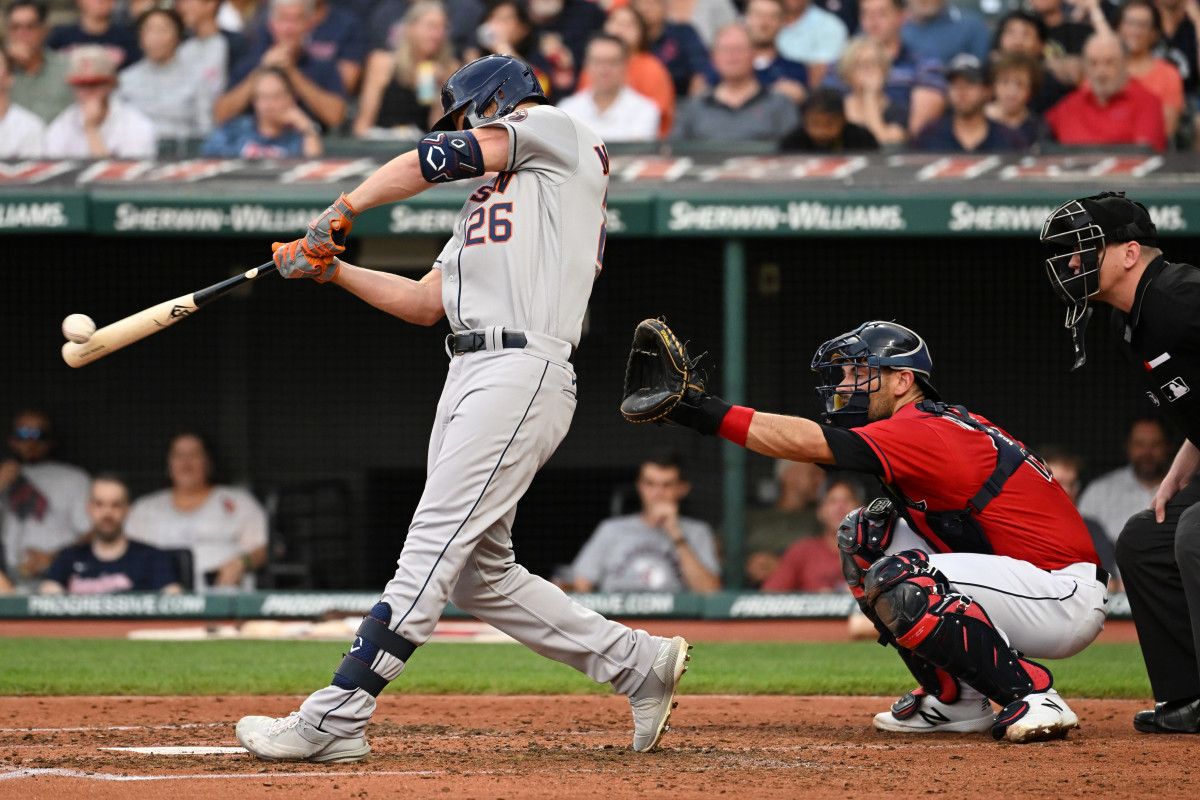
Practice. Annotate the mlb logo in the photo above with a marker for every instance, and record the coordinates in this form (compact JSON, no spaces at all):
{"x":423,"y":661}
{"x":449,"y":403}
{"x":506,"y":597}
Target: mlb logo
{"x":1175,"y":389}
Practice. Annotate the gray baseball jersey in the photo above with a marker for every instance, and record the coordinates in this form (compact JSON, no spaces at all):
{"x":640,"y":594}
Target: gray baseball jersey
{"x":529,"y":243}
{"x":525,"y":252}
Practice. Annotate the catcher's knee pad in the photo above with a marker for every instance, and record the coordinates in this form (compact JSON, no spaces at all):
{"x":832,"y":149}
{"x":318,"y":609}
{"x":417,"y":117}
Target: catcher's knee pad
{"x":948,"y":630}
{"x":862,"y":538}
{"x":372,"y":636}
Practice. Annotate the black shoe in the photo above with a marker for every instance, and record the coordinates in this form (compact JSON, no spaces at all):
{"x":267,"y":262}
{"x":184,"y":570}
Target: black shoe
{"x":1175,"y":716}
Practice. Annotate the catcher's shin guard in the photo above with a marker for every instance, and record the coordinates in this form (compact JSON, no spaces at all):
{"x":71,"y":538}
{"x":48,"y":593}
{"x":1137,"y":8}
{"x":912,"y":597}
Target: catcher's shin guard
{"x":374,"y":641}
{"x":947,"y":629}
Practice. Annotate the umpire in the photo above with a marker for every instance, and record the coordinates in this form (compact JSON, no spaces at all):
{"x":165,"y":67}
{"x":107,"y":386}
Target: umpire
{"x":1105,"y":248}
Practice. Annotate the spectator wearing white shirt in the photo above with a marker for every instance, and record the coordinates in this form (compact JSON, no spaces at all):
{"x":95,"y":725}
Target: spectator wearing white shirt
{"x":21,"y":130}
{"x":210,"y":50}
{"x":608,"y":106}
{"x":98,"y":125}
{"x":1116,"y":496}
{"x":225,"y":527}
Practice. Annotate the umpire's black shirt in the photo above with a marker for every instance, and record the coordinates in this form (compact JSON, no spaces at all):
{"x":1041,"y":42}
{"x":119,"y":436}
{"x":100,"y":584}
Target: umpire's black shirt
{"x":1161,"y":336}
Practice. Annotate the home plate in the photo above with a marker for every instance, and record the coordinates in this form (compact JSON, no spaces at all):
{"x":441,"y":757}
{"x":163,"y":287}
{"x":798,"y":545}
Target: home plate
{"x":180,"y":751}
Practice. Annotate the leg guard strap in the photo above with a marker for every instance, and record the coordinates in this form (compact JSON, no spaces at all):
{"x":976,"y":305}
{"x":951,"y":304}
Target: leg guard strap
{"x":360,"y":676}
{"x":373,"y":635}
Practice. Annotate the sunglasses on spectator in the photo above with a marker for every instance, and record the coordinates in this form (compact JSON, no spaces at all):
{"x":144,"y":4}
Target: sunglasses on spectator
{"x":31,"y":433}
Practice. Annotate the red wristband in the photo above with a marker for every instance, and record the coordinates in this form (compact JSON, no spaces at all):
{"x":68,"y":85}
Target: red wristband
{"x":736,"y":425}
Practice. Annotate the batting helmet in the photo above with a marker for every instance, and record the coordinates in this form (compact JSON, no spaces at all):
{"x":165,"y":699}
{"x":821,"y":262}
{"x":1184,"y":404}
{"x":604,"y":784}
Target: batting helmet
{"x":502,"y":79}
{"x":1083,"y":228}
{"x":845,"y":391}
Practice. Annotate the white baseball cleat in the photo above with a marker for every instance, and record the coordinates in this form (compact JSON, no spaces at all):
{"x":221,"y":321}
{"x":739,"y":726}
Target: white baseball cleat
{"x":918,"y":712}
{"x":1035,"y":717}
{"x":292,"y":739}
{"x":653,"y":700}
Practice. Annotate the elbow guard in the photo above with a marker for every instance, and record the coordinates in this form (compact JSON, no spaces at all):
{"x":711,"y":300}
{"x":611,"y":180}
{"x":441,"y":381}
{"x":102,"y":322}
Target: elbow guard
{"x":450,"y":156}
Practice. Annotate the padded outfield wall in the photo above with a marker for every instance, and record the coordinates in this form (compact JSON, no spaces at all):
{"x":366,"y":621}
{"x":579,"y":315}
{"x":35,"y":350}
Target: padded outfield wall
{"x":757,"y":260}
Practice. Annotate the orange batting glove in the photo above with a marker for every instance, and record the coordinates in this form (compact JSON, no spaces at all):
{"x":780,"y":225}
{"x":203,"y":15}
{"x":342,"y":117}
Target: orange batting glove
{"x":327,"y":233}
{"x":294,"y":262}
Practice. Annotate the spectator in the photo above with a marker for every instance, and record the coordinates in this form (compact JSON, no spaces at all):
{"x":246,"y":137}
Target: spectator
{"x":1064,"y":36}
{"x":1110,"y":108}
{"x":966,"y":128}
{"x":564,"y":27}
{"x":401,"y":88}
{"x":1023,"y":33}
{"x":644,"y":73}
{"x":863,"y":70}
{"x":812,"y":36}
{"x":939,"y":31}
{"x":44,"y":502}
{"x":96,"y":27}
{"x":1116,"y":496}
{"x":610,"y":107}
{"x":1140,"y":28}
{"x":814,"y":563}
{"x":97,"y":124}
{"x":1180,"y":22}
{"x":677,"y":46}
{"x":385,"y":27}
{"x":236,"y":15}
{"x":656,"y":550}
{"x":764,"y":21}
{"x":316,"y":82}
{"x":1066,"y":467}
{"x":507,"y":29}
{"x":334,"y":35}
{"x":166,"y":88}
{"x":705,"y":16}
{"x":109,"y":562}
{"x":223,"y":526}
{"x":21,"y":130}
{"x":39,"y":73}
{"x":209,"y":50}
{"x":738,"y":107}
{"x":823,"y":127}
{"x":769,"y":532}
{"x":278,"y":128}
{"x":910,"y":81}
{"x":1016,"y":77}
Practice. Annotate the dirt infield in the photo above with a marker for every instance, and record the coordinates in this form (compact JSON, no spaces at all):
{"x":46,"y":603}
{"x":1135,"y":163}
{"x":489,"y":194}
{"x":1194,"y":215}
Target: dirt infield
{"x":562,"y":747}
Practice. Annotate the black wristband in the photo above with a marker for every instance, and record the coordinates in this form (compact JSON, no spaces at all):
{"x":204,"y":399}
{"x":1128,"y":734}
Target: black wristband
{"x":700,"y":411}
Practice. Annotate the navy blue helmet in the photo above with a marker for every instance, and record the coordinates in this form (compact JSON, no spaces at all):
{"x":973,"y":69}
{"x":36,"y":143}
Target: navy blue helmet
{"x":503,"y":79}
{"x":844,"y":395}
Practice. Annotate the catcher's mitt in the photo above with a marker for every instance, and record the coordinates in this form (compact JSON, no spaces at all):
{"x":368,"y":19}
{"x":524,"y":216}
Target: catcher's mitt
{"x":657,"y":374}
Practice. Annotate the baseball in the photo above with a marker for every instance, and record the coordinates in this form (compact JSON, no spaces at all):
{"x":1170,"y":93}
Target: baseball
{"x":78,"y":328}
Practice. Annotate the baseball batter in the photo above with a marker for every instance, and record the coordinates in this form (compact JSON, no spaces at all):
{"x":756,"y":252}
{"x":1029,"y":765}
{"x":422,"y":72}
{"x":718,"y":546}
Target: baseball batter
{"x":514,"y":282}
{"x":1001,"y":567}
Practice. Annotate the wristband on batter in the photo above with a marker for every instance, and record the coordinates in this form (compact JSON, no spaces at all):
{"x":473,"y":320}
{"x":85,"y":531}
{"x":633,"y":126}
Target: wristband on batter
{"x":736,"y":425}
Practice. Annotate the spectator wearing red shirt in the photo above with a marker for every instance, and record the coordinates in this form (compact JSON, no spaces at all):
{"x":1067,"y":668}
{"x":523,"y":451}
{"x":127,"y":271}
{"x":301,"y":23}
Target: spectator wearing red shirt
{"x":998,"y":568}
{"x":814,"y":563}
{"x":1109,"y":107}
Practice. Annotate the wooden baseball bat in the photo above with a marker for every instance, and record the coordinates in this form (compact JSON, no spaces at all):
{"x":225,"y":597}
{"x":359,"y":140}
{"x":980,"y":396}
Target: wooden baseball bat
{"x":126,"y":331}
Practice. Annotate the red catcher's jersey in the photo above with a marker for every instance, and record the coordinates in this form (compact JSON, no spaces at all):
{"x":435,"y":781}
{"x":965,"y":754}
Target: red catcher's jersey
{"x":939,"y":464}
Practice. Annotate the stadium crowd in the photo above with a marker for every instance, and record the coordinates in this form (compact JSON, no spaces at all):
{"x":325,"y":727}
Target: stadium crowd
{"x":278,"y":78}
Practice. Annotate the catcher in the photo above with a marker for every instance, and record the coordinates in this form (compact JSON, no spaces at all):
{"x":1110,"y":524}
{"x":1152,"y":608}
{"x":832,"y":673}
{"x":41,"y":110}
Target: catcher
{"x":998,"y":567}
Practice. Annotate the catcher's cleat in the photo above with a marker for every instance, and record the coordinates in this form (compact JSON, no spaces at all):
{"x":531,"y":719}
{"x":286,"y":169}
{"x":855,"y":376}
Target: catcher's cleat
{"x":292,"y":739}
{"x":918,"y":712}
{"x":653,"y":700}
{"x":1036,"y":717}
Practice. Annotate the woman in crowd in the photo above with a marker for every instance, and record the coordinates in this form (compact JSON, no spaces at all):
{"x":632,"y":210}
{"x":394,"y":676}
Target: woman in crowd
{"x":171,"y":92}
{"x":1140,"y":30}
{"x":864,"y":67}
{"x":401,"y":88}
{"x":278,"y":128}
{"x":1022,"y":32}
{"x":223,"y":526}
{"x":1015,"y":80}
{"x":507,"y":29}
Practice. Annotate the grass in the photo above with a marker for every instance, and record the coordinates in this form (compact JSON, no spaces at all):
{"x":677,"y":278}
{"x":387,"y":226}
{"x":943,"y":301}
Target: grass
{"x":117,"y":667}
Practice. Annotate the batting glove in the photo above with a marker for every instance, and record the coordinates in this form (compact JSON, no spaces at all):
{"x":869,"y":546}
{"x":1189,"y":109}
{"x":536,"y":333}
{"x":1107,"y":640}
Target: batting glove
{"x":294,"y":262}
{"x":327,"y":233}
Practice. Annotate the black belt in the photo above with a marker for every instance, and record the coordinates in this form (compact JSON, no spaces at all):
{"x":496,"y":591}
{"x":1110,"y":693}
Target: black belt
{"x":472,"y":341}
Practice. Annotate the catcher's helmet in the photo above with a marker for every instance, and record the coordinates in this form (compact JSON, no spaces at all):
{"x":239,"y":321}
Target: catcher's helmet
{"x":1083,"y":228}
{"x":503,"y":79}
{"x":842,"y":399}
